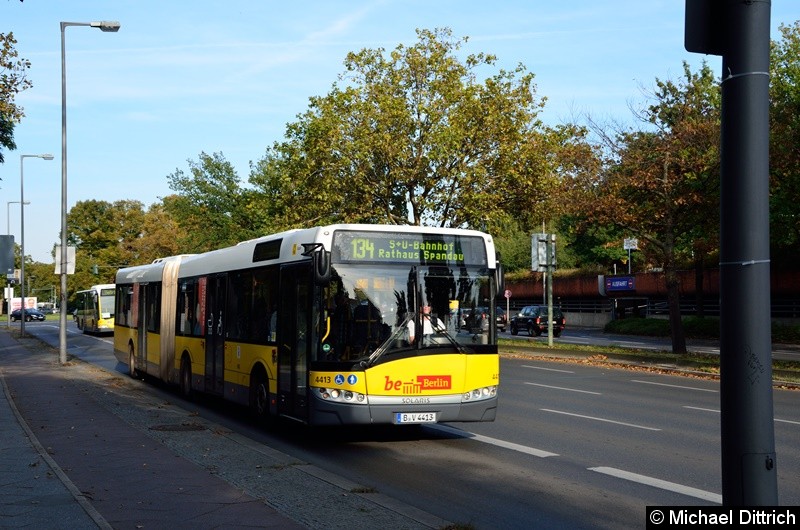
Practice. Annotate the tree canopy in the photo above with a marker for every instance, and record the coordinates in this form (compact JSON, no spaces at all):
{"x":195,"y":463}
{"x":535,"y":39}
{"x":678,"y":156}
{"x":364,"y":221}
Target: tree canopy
{"x":13,"y":80}
{"x":420,"y":135}
{"x":784,"y":139}
{"x":409,"y":137}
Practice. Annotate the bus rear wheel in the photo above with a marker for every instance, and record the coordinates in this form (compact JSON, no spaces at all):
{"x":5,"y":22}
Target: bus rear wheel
{"x":132,"y":362}
{"x":186,"y":378}
{"x":259,"y":397}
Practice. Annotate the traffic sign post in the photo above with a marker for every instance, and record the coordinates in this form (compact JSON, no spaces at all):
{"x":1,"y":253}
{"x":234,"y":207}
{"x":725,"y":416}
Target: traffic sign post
{"x":507,"y":294}
{"x":630,"y":244}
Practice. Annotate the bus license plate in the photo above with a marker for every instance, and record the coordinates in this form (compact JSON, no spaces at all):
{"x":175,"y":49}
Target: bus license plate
{"x":415,"y":417}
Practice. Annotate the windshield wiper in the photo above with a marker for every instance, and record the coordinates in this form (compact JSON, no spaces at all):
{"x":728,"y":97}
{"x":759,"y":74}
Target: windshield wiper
{"x":384,"y":347}
{"x":438,"y":327}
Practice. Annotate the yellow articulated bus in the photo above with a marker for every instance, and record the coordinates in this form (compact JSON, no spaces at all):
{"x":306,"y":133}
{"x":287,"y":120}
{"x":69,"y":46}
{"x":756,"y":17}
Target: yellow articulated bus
{"x":334,"y":325}
{"x":94,"y":308}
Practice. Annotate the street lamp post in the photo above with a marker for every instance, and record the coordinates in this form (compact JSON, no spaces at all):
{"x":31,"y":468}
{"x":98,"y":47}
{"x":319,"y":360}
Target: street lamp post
{"x":62,"y":333}
{"x":8,"y":215}
{"x":8,"y":232}
{"x":22,"y":235}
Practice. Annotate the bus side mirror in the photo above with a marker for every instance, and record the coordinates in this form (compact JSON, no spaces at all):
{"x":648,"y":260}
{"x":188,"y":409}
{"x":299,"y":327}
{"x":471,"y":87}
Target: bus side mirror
{"x":499,"y":277}
{"x":320,"y":261}
{"x":322,"y":267}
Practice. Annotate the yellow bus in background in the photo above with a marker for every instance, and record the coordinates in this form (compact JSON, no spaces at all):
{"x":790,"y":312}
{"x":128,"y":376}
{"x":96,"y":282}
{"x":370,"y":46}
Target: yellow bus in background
{"x":94,"y":308}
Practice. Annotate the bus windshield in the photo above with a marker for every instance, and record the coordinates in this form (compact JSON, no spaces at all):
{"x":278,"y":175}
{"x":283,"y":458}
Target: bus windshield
{"x":107,"y":297}
{"x":397,"y":308}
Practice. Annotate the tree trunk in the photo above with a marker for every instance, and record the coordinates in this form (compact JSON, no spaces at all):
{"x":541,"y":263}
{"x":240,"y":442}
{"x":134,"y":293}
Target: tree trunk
{"x":674,"y":301}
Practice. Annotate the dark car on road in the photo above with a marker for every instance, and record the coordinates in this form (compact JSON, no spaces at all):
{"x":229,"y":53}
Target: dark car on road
{"x":533,"y":320}
{"x":30,"y":314}
{"x":502,"y":320}
{"x":477,"y":319}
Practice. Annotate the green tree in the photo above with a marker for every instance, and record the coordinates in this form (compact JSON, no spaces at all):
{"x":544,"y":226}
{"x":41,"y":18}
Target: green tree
{"x":103,"y":234}
{"x":784,"y":139}
{"x":662,"y":184}
{"x":408,"y":137}
{"x":159,"y":236}
{"x":95,"y":226}
{"x":210,"y":207}
{"x":13,"y":80}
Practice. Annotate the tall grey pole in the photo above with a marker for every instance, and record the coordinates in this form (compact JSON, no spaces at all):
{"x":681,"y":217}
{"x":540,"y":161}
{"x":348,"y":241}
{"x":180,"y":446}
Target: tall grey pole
{"x":22,"y":246}
{"x":22,"y":204}
{"x":62,"y":295}
{"x":749,"y":474}
{"x":738,"y":30}
{"x":551,"y":264}
{"x":105,"y":26}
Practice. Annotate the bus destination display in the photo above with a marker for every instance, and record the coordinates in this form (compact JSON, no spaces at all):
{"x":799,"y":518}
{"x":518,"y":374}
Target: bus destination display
{"x":352,"y":246}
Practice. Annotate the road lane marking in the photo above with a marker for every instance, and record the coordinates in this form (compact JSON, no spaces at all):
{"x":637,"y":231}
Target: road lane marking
{"x":493,"y":441}
{"x":700,"y":409}
{"x":716,"y":411}
{"x":675,"y":386}
{"x":658,"y":483}
{"x":601,"y":419}
{"x":548,"y":369}
{"x":563,"y":388}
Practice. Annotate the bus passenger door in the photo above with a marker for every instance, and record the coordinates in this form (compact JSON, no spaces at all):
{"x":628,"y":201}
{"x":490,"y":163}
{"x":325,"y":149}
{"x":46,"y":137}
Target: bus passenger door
{"x":139,"y":305}
{"x":294,"y":340}
{"x":215,"y":333}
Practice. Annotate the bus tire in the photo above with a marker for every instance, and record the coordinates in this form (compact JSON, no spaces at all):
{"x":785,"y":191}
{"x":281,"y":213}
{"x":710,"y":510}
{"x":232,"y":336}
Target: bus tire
{"x":259,"y":396}
{"x":132,"y":362}
{"x":186,"y":378}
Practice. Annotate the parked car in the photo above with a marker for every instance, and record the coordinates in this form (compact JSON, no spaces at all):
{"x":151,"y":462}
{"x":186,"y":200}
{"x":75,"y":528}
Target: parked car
{"x":477,"y":319}
{"x":502,"y":319}
{"x":30,"y":314}
{"x":533,"y":320}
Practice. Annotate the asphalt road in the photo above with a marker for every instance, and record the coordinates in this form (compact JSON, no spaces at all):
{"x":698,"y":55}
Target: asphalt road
{"x":574,"y":445}
{"x":596,"y":337}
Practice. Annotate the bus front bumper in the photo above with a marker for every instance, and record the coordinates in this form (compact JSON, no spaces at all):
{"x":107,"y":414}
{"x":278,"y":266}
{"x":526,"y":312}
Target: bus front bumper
{"x":332,"y":413}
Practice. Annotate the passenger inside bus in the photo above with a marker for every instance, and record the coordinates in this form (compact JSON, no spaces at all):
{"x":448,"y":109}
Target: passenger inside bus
{"x":430,"y":325}
{"x":272,"y":331}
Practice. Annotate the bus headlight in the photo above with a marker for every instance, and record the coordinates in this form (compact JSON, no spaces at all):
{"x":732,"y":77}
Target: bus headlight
{"x":478,"y":394}
{"x":342,"y":396}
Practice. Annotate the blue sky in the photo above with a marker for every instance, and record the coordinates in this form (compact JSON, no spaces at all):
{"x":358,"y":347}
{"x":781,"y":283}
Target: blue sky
{"x":181,"y":78}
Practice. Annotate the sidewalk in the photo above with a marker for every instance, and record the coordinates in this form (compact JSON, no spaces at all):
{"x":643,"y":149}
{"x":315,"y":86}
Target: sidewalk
{"x":34,"y":491}
{"x":85,"y":448}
